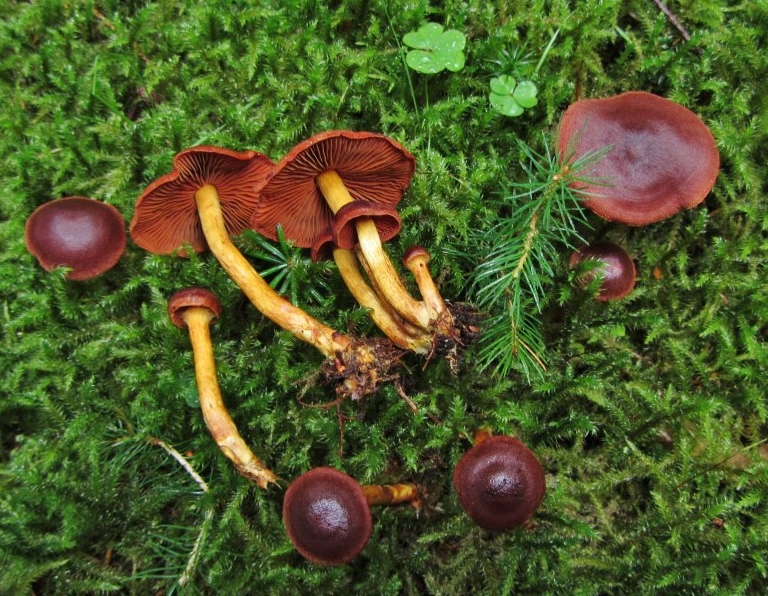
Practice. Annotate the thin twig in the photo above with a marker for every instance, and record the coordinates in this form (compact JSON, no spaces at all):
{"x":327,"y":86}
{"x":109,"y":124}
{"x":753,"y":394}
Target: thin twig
{"x":527,"y":245}
{"x":673,"y":19}
{"x":182,"y":461}
{"x":194,"y":555}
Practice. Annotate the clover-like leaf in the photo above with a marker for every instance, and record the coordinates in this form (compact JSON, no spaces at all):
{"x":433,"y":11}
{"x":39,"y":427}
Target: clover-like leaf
{"x":525,"y":94}
{"x":435,"y":49}
{"x":425,"y":37}
{"x":509,"y":97}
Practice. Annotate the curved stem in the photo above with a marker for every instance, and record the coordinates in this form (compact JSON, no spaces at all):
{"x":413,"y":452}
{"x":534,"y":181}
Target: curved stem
{"x":391,"y":494}
{"x":379,"y":266}
{"x":260,"y":293}
{"x":393,"y":328}
{"x":217,"y":418}
{"x":418,"y":266}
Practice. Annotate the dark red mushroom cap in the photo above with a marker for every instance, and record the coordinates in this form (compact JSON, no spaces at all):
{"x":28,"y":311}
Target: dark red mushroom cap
{"x":76,"y":232}
{"x":385,"y":217}
{"x":166,"y":215}
{"x":190,"y":298}
{"x":374,"y":169}
{"x":499,"y":482}
{"x":663,"y":158}
{"x":416,"y":252}
{"x":322,"y":248}
{"x":616,"y":269}
{"x":327,"y":516}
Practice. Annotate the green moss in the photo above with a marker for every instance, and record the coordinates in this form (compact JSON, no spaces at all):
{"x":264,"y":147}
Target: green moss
{"x":636,"y":419}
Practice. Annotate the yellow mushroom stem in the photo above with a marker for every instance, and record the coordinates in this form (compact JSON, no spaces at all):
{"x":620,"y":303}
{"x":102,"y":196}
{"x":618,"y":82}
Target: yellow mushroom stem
{"x":400,"y":332}
{"x":418,"y":266}
{"x":417,"y":263}
{"x":378,"y":265}
{"x":271,"y":304}
{"x":481,"y":434}
{"x":215,"y":414}
{"x":391,"y":494}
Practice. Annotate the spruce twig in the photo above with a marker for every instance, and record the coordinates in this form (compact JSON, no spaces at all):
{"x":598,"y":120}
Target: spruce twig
{"x":182,"y":462}
{"x":539,"y":217}
{"x":194,"y":555}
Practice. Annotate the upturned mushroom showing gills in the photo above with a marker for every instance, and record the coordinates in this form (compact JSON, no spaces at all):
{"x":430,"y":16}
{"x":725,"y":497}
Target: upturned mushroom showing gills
{"x":195,"y":309}
{"x":349,"y":183}
{"x":499,"y":482}
{"x":79,"y":233}
{"x":209,"y":196}
{"x":662,"y":157}
{"x":335,"y":172}
{"x":615,"y":269}
{"x":327,"y":513}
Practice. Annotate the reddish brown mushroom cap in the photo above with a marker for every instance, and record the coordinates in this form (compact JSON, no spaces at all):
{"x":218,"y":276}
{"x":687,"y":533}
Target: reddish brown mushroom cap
{"x":322,"y":248}
{"x":327,"y":516}
{"x":500,"y":483}
{"x":414,"y":253}
{"x":616,"y":269}
{"x":663,"y":158}
{"x":192,"y":298}
{"x":76,"y":232}
{"x":166,"y":216}
{"x":374,"y":169}
{"x":385,"y":217}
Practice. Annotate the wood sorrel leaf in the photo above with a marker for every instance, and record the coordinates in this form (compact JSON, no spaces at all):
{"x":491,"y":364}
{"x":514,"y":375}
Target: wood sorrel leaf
{"x":509,"y":97}
{"x":506,"y":105}
{"x":435,"y":49}
{"x":425,"y":37}
{"x":424,"y":62}
{"x":525,"y":94}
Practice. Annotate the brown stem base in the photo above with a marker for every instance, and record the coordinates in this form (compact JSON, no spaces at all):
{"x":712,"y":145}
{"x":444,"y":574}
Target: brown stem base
{"x":362,"y":368}
{"x":453,"y":339}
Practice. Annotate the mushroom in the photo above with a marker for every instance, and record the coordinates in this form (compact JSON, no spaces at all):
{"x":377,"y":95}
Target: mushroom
{"x":663,"y":158}
{"x":348,"y":183}
{"x":195,"y":309}
{"x":82,"y":234}
{"x":615,"y":268}
{"x":339,"y":179}
{"x":401,"y":332}
{"x":327,"y":513}
{"x":416,"y":260}
{"x":209,"y":196}
{"x":499,"y":482}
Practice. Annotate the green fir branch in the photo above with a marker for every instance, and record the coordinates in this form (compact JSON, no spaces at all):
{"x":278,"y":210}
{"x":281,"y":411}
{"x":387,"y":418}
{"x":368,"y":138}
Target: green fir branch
{"x":539,"y":218}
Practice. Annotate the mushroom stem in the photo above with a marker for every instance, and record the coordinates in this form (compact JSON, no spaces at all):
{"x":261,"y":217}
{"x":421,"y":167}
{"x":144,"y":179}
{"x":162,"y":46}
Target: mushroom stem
{"x":380,"y":267}
{"x":391,"y":494}
{"x":416,"y":260}
{"x":401,"y":333}
{"x":481,"y":434}
{"x":260,"y":293}
{"x":217,"y":418}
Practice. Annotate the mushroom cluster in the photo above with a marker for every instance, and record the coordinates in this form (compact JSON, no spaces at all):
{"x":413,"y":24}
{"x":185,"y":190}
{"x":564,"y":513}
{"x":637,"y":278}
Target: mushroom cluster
{"x":209,"y":197}
{"x":336,"y":193}
{"x":662,"y":158}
